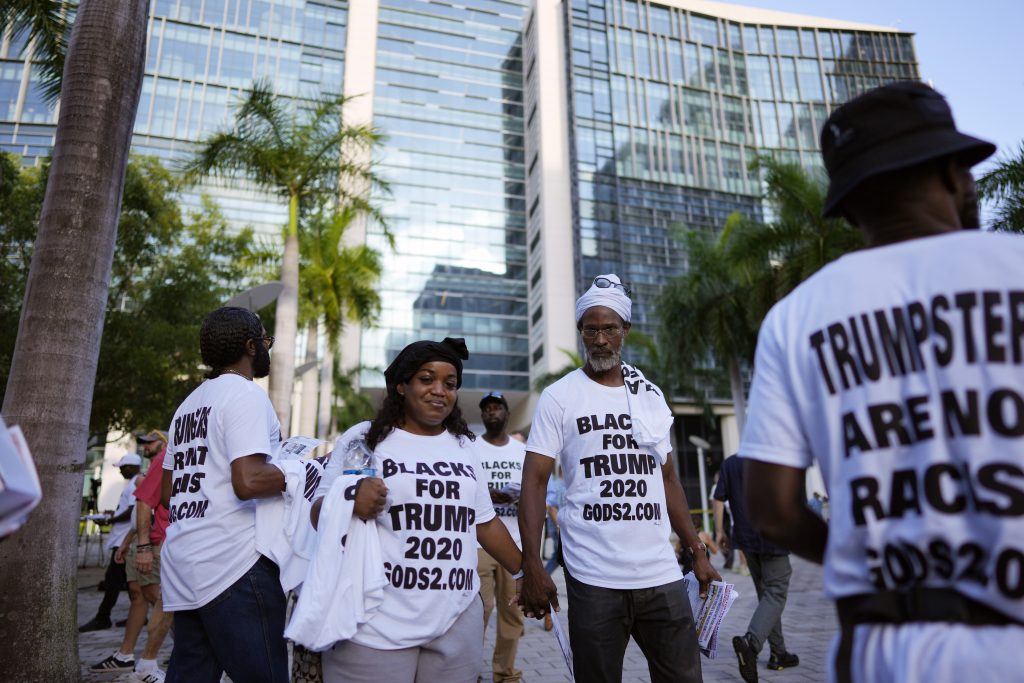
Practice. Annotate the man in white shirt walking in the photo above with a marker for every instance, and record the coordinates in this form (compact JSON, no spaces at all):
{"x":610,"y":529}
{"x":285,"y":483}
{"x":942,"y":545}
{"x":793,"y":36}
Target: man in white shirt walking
{"x":228,"y":604}
{"x":610,"y":430}
{"x":501,"y":459}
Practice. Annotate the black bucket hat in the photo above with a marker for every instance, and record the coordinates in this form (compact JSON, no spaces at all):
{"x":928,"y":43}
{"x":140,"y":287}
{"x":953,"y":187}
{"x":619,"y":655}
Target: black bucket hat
{"x":896,"y":126}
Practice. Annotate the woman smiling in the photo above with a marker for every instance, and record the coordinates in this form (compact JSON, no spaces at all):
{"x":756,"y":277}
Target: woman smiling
{"x":430,"y":510}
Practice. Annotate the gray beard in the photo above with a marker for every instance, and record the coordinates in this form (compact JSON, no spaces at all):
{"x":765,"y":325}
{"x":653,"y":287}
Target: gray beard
{"x":605,"y":364}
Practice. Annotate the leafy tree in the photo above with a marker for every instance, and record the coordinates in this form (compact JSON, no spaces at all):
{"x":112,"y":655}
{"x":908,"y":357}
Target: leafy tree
{"x":53,"y":368}
{"x":166,"y":275}
{"x":1003,"y":186}
{"x":714,"y":311}
{"x":305,"y":153}
{"x":337,"y":283}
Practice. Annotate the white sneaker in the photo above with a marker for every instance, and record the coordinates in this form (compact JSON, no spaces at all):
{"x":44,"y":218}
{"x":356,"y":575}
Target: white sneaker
{"x":152,"y":676}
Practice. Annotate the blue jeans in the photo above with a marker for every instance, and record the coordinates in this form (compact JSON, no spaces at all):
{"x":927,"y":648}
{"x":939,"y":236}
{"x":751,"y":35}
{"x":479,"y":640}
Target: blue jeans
{"x":241,"y":631}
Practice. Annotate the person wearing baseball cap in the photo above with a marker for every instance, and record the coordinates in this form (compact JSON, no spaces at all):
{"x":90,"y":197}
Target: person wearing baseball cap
{"x":115,"y":579}
{"x":899,"y":369}
{"x":501,"y":460}
{"x":142,"y":568}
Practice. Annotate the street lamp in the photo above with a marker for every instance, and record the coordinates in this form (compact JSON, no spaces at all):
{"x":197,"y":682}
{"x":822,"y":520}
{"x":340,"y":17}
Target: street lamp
{"x":702,"y":445}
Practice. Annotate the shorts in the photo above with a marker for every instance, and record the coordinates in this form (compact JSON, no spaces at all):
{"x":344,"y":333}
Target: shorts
{"x":149,"y":578}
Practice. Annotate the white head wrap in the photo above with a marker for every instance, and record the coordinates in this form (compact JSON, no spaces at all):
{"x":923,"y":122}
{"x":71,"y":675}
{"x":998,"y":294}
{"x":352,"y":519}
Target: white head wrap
{"x":610,"y":297}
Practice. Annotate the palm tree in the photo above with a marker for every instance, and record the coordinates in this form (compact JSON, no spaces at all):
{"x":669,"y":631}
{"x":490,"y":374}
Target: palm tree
{"x":50,"y":386}
{"x":339,"y":283}
{"x":715,"y":310}
{"x":1004,"y":187}
{"x":304,"y":153}
{"x":47,"y":27}
{"x":707,"y":314}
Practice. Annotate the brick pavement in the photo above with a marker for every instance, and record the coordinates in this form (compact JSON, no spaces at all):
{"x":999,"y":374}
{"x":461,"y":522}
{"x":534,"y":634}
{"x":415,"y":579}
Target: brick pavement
{"x":808,"y":624}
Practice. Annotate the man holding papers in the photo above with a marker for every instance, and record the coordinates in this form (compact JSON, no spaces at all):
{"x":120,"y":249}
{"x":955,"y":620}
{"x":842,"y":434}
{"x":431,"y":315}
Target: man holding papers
{"x":610,"y":430}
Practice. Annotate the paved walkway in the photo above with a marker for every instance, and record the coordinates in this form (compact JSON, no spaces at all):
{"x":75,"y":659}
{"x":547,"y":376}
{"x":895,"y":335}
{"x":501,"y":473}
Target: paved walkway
{"x":808,"y":624}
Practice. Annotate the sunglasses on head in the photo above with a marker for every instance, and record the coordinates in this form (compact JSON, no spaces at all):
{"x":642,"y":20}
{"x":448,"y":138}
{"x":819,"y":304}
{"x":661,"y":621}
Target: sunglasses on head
{"x":605,"y":283}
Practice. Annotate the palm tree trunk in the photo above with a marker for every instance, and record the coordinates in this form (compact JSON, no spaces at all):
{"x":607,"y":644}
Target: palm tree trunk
{"x":307,"y":418}
{"x":282,"y":365}
{"x":739,"y":398}
{"x":53,"y":370}
{"x":325,"y":422}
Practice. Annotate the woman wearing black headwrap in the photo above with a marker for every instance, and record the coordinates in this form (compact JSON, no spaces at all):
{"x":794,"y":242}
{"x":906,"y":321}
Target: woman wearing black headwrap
{"x":430,"y":509}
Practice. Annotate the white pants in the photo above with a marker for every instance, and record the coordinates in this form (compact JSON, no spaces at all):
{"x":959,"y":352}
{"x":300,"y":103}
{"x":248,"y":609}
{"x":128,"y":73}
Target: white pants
{"x":935,"y":653}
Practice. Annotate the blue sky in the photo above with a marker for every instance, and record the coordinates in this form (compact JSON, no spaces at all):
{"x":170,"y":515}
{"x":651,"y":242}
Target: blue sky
{"x":972,"y":52}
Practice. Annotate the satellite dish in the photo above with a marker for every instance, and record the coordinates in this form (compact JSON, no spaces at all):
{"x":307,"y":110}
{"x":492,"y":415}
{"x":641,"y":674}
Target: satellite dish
{"x":700,"y":443}
{"x":304,"y":368}
{"x":259,"y":296}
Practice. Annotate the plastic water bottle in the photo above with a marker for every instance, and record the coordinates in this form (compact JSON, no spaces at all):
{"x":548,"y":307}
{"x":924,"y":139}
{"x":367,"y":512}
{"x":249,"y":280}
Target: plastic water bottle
{"x":358,"y":459}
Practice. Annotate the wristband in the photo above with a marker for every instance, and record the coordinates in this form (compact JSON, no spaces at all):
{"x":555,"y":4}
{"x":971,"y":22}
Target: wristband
{"x":700,"y":546}
{"x":518,"y":575}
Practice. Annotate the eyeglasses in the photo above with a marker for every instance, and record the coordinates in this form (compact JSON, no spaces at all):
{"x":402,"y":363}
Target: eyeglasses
{"x":268,"y":340}
{"x":605,"y":283}
{"x":611,"y":333}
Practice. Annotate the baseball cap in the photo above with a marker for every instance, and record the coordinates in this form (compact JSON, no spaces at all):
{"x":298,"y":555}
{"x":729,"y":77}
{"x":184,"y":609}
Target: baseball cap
{"x":152,"y":435}
{"x":129,"y":459}
{"x":494,"y":396}
{"x":897,"y":125}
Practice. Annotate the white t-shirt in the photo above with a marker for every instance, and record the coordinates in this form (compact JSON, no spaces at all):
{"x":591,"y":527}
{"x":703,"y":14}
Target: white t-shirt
{"x":901,"y":369}
{"x":211,"y":536}
{"x":427,"y":533}
{"x":119,"y":530}
{"x":503,"y":465}
{"x":614,"y":524}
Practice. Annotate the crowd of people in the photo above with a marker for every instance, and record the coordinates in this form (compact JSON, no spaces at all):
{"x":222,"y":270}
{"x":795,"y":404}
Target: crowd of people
{"x":897,"y":369}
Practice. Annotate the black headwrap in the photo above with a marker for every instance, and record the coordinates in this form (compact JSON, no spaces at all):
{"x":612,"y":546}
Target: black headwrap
{"x":409,"y":360}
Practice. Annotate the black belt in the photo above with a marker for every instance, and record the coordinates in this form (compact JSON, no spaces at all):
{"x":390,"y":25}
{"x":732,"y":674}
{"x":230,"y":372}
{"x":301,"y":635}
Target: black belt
{"x":900,"y":607}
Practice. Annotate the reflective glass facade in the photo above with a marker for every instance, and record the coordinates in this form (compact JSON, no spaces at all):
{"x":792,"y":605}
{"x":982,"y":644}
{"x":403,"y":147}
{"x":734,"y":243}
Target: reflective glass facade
{"x":448,"y":94}
{"x":201,"y":55}
{"x":668,"y":108}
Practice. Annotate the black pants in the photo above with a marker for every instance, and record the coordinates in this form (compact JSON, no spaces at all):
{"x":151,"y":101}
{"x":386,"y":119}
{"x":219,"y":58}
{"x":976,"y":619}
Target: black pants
{"x":114,"y":581}
{"x":601,"y":620}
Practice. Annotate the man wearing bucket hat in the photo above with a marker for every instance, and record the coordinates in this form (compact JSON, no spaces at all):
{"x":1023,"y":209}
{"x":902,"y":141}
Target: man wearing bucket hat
{"x":900,"y":369}
{"x":115,"y":581}
{"x":610,"y":429}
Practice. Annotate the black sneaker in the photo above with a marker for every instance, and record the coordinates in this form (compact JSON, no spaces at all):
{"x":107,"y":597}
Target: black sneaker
{"x":113,"y":663}
{"x":747,"y":656}
{"x":96,"y":624}
{"x":786,"y":660}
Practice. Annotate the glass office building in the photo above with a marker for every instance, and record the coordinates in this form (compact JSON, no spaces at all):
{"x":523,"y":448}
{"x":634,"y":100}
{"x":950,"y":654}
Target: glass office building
{"x":531,"y":144}
{"x":201,"y":56}
{"x":667,"y":104}
{"x":448,"y":94}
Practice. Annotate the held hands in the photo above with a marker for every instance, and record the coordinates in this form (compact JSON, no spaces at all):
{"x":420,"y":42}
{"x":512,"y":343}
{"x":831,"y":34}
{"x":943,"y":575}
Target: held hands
{"x":501,"y":498}
{"x":536,"y":593}
{"x":371,"y":496}
{"x":120,"y":553}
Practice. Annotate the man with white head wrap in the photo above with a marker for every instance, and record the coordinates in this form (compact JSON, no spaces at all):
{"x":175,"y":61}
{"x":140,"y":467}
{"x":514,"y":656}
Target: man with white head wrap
{"x":609,"y":427}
